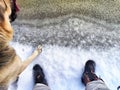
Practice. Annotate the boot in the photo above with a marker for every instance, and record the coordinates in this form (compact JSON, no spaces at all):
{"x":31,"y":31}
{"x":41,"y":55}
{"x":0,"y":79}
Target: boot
{"x":39,"y":76}
{"x":89,"y":72}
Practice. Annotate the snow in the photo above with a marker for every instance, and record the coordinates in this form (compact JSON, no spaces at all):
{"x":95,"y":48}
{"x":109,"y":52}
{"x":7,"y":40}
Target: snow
{"x":63,"y":66}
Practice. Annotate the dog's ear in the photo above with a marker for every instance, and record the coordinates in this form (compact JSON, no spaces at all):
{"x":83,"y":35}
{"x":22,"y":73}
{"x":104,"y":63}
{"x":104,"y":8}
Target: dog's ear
{"x":5,"y":12}
{"x":2,"y":11}
{"x":5,"y":9}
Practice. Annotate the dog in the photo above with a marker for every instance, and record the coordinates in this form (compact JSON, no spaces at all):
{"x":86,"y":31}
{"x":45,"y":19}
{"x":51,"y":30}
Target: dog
{"x":11,"y":65}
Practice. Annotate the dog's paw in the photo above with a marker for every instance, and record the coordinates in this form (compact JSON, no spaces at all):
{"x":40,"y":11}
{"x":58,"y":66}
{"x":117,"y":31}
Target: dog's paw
{"x":38,"y":50}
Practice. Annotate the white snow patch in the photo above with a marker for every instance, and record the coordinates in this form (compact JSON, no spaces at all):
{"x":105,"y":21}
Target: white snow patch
{"x":63,"y":66}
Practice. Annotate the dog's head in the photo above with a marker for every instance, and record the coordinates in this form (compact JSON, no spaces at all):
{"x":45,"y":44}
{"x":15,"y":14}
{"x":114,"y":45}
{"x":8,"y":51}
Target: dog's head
{"x":8,"y":9}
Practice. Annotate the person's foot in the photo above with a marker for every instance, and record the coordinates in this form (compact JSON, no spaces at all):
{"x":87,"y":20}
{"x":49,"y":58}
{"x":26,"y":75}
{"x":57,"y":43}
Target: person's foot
{"x":90,"y":66}
{"x":39,"y":76}
{"x":89,"y":72}
{"x":118,"y":87}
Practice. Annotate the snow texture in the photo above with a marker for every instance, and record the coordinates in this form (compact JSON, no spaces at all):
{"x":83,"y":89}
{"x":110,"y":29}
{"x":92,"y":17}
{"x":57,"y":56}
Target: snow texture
{"x":63,"y":66}
{"x":68,"y":42}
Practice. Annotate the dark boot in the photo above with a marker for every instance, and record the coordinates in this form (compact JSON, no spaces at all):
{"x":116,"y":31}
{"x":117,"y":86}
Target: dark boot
{"x":89,"y":72}
{"x":90,"y":66}
{"x":39,"y":76}
{"x":118,"y":87}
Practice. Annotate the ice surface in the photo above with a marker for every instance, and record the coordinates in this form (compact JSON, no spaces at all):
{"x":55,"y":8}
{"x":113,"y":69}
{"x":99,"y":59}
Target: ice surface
{"x":63,"y":66}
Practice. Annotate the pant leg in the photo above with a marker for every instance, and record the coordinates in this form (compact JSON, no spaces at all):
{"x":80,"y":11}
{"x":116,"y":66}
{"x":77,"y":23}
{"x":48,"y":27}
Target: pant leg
{"x":41,"y":87}
{"x":96,"y":85}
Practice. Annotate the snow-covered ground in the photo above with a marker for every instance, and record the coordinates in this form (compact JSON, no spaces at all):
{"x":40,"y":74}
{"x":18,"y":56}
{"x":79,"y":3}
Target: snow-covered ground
{"x":68,"y":42}
{"x":63,"y":66}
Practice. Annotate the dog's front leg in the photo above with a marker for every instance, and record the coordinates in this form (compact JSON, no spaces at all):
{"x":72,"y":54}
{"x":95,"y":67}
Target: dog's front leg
{"x":31,"y":58}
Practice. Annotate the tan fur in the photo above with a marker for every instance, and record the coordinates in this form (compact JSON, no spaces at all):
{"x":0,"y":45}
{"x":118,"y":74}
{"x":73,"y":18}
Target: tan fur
{"x":10,"y":64}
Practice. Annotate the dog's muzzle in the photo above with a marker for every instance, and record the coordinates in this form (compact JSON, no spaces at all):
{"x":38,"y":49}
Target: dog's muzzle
{"x":14,"y":9}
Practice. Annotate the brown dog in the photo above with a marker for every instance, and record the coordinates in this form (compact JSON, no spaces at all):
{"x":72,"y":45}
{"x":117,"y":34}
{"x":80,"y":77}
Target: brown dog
{"x":10,"y":64}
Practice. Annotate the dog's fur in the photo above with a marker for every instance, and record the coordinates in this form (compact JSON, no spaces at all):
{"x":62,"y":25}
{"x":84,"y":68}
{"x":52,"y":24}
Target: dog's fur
{"x":10,"y":64}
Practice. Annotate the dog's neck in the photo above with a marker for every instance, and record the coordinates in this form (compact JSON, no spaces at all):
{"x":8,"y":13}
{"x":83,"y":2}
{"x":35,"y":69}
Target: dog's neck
{"x":6,"y":29}
{"x":7,"y":33}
